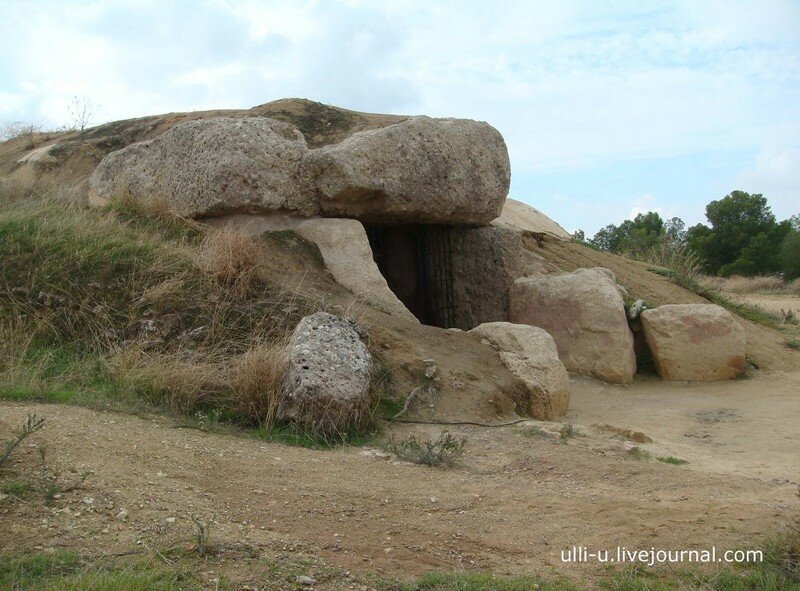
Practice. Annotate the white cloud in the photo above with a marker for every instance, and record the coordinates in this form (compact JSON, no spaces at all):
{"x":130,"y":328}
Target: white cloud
{"x":644,"y":204}
{"x":572,"y":85}
{"x":775,"y":173}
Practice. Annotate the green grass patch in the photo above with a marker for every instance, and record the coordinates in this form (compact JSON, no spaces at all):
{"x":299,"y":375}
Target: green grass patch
{"x":65,"y":571}
{"x":487,"y":582}
{"x":14,"y":488}
{"x":638,"y":453}
{"x":672,"y":460}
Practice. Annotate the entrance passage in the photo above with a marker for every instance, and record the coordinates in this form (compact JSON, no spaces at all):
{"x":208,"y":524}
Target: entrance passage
{"x":416,"y":262}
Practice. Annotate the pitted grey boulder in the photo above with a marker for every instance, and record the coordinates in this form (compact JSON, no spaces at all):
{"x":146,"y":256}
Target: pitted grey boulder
{"x":209,"y":167}
{"x":327,"y":387}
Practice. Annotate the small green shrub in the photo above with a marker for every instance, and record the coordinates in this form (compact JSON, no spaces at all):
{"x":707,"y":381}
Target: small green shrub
{"x":536,"y":432}
{"x":442,"y":451}
{"x":568,"y":431}
{"x":32,"y":425}
{"x":14,"y":488}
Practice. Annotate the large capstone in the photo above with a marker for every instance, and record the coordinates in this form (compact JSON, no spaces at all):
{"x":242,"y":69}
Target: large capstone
{"x":700,"y":342}
{"x":327,"y":387}
{"x":585,"y":313}
{"x":210,"y":167}
{"x":530,"y":354}
{"x":421,"y":170}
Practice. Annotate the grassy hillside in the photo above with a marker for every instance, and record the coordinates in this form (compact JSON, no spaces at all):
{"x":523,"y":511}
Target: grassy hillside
{"x":113,"y":308}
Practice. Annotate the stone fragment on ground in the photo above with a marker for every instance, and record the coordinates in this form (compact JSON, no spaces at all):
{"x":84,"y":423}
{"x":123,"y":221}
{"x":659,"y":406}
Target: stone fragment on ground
{"x":530,"y":354}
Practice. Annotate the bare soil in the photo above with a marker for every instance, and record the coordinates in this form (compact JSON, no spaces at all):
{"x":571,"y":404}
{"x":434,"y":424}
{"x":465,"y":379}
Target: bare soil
{"x":511,"y":505}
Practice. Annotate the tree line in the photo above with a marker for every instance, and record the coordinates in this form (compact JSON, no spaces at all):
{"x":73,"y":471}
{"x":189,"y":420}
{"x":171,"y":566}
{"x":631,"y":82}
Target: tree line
{"x":742,"y":237}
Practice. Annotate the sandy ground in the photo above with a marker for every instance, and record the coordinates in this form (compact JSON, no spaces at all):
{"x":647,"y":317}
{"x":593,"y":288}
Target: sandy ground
{"x":511,"y":505}
{"x":746,"y":427}
{"x":772,"y":302}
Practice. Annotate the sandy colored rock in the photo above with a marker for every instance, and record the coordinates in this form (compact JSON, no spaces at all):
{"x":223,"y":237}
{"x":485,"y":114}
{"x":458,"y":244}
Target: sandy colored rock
{"x":347,"y":254}
{"x":343,"y":245}
{"x":698,"y":342}
{"x":414,"y":170}
{"x":585,"y":314}
{"x":327,"y":385}
{"x":419,"y":170}
{"x":209,"y":167}
{"x":520,"y":216}
{"x":530,"y":354}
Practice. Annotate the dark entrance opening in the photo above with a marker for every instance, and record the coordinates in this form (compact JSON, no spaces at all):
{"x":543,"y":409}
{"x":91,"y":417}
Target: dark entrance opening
{"x":416,"y":262}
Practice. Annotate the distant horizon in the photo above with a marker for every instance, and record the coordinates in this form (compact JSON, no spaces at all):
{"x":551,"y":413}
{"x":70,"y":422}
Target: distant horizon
{"x":607,"y":112}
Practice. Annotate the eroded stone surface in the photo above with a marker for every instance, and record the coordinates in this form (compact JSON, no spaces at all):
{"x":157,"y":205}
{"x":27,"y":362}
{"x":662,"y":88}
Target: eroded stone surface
{"x":421,"y":170}
{"x":701,"y":342}
{"x":485,"y":263}
{"x":327,"y":385}
{"x":530,"y":354}
{"x":210,"y":167}
{"x":585,"y":314}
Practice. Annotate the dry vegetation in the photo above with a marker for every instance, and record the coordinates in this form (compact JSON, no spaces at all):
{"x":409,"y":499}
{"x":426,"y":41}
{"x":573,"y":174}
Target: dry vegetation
{"x":115,"y":308}
{"x":744,"y":285}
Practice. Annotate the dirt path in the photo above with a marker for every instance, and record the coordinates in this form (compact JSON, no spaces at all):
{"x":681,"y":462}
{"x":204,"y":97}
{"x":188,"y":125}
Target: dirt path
{"x":746,"y":427}
{"x":511,"y":506}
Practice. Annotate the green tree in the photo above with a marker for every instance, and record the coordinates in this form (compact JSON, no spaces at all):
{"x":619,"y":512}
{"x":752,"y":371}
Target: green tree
{"x":632,"y":236}
{"x":737,"y":220}
{"x":791,"y":255}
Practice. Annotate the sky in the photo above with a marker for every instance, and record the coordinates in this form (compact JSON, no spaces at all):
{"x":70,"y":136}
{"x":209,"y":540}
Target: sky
{"x":608,"y":109}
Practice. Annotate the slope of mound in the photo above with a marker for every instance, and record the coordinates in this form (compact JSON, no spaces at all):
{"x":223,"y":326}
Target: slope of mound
{"x":68,"y":158}
{"x":124,"y":305}
{"x":522,"y":217}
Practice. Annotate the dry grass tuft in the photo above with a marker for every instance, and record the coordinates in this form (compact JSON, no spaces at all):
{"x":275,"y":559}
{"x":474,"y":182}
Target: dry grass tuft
{"x":767,"y":284}
{"x":185,"y":385}
{"x":231,"y":259}
{"x":255,"y":385}
{"x":679,"y":259}
{"x":165,"y":295}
